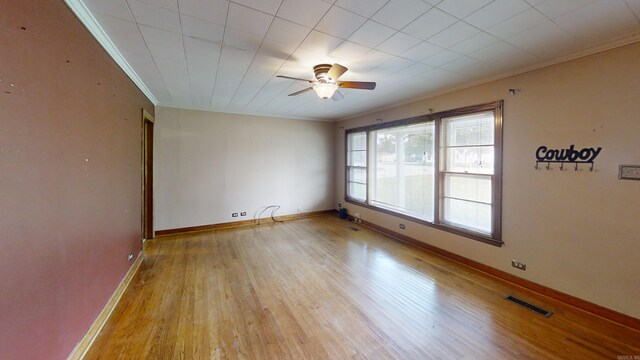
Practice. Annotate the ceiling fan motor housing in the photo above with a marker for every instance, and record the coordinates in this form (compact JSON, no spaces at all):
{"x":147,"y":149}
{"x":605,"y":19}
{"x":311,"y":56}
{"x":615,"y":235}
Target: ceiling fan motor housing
{"x":321,"y":71}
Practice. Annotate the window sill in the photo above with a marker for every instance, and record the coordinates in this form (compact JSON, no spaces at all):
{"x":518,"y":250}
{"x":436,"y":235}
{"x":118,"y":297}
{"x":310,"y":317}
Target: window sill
{"x":450,"y":229}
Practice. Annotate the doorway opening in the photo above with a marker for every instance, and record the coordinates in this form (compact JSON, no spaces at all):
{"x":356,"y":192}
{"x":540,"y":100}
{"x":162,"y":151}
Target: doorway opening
{"x":147,"y":175}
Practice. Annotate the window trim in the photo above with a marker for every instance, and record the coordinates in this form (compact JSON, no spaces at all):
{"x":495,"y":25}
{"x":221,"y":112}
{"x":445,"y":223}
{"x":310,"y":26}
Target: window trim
{"x":495,"y":238}
{"x":347,"y":166}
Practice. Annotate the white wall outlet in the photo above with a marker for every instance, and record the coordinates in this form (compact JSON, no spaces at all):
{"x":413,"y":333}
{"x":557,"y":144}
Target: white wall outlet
{"x":519,"y":265}
{"x":629,"y":172}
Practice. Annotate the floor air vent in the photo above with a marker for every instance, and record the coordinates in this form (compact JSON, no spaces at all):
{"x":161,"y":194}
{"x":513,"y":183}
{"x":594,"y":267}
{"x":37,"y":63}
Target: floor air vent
{"x":531,"y":307}
{"x":355,"y":228}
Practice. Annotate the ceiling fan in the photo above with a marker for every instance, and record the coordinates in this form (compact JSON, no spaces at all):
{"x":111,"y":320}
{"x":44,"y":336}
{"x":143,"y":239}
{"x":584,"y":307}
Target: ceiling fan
{"x":327,"y":84}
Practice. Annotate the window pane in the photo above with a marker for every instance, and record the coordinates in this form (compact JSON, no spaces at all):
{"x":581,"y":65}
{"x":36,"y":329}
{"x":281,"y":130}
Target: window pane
{"x":477,"y":160}
{"x":357,"y":191}
{"x":386,"y":182}
{"x":418,"y":170}
{"x":404,"y":169}
{"x":358,"y":175}
{"x":386,"y":145}
{"x":468,"y":187}
{"x":419,"y":189}
{"x":468,"y":214}
{"x":357,"y":158}
{"x":357,"y":141}
{"x":474,"y":129}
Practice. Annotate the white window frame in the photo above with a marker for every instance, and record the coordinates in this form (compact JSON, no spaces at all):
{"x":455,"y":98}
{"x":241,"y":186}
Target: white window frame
{"x":349,"y":167}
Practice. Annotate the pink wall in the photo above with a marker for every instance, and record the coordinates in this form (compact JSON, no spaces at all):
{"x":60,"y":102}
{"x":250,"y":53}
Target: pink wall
{"x":70,"y":168}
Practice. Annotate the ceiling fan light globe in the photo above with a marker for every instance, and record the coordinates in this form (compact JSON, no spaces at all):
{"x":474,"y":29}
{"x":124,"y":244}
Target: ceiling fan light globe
{"x":325,"y":91}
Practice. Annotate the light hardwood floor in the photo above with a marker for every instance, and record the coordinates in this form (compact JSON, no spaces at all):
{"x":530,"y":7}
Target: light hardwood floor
{"x":317,"y":289}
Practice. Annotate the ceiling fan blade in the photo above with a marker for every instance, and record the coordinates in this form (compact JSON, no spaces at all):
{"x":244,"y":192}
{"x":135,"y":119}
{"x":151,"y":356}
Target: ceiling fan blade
{"x":294,"y":78}
{"x":337,"y":96}
{"x":362,"y":85}
{"x":336,"y":71}
{"x":301,"y":91}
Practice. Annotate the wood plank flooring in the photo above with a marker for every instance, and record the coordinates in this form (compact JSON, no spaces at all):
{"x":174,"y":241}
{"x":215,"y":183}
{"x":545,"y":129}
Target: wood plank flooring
{"x":318,"y":289}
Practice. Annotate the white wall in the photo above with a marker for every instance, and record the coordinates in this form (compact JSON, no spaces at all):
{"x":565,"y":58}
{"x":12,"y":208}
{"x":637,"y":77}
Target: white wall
{"x":578,"y":232}
{"x":208,"y":165}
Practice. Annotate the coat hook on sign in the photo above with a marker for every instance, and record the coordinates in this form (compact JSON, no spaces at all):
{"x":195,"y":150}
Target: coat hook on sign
{"x":548,"y":166}
{"x":536,"y":167}
{"x":561,"y":166}
{"x":591,"y":167}
{"x":576,"y":167}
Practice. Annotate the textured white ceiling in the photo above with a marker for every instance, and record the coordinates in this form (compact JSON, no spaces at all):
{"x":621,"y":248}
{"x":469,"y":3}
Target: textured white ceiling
{"x":223,"y":55}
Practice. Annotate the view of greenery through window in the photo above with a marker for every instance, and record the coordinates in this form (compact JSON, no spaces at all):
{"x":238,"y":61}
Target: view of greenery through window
{"x":404,"y":169}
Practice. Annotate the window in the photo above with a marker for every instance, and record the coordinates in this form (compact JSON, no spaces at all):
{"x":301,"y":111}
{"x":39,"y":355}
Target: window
{"x":402,"y":177}
{"x":443,"y":170}
{"x":357,"y":166}
{"x":467,"y":170}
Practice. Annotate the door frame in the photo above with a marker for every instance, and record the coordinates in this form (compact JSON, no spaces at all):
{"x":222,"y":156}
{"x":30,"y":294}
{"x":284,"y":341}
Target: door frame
{"x":147,"y":175}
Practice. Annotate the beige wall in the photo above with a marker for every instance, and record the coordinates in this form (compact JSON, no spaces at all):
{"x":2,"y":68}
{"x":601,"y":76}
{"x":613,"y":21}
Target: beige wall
{"x":578,"y":232}
{"x":209,"y":165}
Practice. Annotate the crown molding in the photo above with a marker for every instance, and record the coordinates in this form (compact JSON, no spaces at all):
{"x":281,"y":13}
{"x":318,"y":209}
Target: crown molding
{"x":89,"y":21}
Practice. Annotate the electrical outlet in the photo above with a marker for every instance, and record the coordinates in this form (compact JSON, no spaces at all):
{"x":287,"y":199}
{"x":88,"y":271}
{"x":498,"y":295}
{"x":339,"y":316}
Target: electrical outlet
{"x":519,"y":265}
{"x":339,"y":206}
{"x":130,"y":256}
{"x":402,"y":226}
{"x":244,"y":213}
{"x":234,"y":215}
